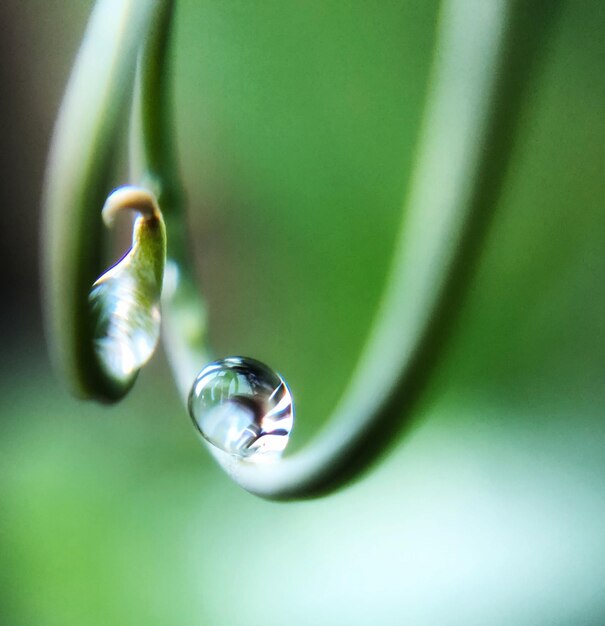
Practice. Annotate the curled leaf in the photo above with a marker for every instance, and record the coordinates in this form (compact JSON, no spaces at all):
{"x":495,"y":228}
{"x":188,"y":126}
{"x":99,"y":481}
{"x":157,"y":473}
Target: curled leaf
{"x":125,"y":300}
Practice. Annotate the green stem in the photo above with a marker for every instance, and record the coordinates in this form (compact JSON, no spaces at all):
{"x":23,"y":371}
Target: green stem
{"x":459,"y":167}
{"x":80,"y":162}
{"x":471,"y":52}
{"x":153,"y":161}
{"x":481,"y":67}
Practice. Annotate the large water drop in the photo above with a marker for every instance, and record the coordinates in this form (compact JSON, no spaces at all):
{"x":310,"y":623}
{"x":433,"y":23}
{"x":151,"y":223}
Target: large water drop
{"x":242,"y":407}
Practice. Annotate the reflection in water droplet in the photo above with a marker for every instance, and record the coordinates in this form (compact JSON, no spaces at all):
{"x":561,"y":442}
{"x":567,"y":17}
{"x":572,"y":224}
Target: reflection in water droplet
{"x":126,"y":321}
{"x":242,"y":407}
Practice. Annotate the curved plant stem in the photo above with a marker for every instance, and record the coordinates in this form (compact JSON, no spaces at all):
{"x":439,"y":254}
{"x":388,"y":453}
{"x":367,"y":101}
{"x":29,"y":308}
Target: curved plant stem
{"x":76,"y":185}
{"x":471,"y":50}
{"x":153,"y":161}
{"x":460,"y":159}
{"x":481,"y":63}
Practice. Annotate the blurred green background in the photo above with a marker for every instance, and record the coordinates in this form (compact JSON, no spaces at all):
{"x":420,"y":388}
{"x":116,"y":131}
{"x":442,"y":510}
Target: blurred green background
{"x":297,"y":124}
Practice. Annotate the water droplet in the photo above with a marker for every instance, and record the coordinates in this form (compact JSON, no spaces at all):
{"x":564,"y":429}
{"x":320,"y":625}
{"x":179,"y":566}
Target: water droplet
{"x":242,"y":407}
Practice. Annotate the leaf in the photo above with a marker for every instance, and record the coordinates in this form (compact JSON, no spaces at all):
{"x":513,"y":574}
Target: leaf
{"x":125,"y":300}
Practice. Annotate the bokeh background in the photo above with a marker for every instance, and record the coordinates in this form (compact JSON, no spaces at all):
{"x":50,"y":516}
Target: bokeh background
{"x":297,"y":124}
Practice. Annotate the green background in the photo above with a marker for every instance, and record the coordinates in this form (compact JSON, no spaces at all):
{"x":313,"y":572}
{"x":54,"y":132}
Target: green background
{"x":297,"y":125}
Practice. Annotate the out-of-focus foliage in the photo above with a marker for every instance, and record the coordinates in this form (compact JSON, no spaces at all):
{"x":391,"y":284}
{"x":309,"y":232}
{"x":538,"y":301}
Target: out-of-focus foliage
{"x":296,"y":126}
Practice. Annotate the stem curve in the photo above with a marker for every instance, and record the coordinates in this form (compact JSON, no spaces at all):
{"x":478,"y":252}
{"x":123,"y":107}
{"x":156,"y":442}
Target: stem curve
{"x":477,"y":83}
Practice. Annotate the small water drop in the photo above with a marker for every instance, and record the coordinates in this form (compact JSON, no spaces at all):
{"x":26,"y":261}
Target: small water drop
{"x":242,"y":407}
